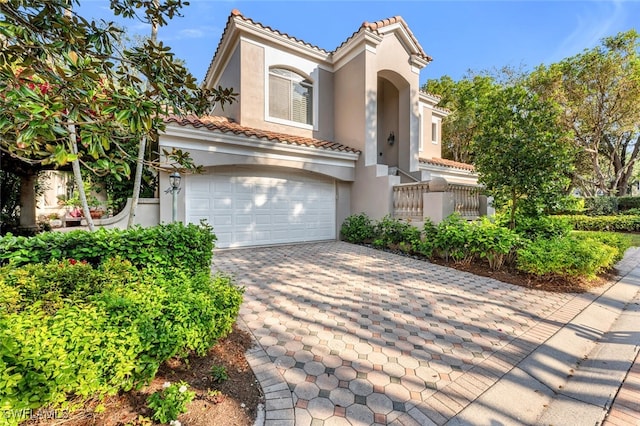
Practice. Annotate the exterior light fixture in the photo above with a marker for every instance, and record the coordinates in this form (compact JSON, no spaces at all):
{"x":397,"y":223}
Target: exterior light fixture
{"x":174,"y":189}
{"x":174,"y":181}
{"x":391,"y":139}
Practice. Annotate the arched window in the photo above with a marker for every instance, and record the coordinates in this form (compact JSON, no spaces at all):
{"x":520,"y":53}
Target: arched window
{"x":290,"y":96}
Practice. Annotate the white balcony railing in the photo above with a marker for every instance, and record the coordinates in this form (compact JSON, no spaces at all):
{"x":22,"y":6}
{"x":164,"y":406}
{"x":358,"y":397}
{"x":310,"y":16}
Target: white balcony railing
{"x":408,"y":200}
{"x":466,"y":199}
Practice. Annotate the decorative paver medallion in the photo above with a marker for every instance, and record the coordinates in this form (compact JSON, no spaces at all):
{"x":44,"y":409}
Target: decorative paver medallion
{"x":366,"y":337}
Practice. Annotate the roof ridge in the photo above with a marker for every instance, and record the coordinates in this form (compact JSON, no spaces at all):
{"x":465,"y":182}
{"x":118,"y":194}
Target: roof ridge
{"x":377,"y":25}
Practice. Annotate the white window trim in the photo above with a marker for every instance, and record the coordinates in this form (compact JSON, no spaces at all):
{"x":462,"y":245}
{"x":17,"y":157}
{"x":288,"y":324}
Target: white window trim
{"x":274,"y":58}
{"x":438,"y":123}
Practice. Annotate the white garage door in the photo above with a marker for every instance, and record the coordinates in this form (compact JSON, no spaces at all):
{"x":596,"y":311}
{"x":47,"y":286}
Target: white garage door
{"x":249,"y":208}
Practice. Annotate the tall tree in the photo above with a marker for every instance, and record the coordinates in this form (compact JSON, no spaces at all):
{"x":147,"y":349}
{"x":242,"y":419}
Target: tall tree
{"x":63,"y":77}
{"x":522,"y":153}
{"x":599,"y":93}
{"x":464,"y":99}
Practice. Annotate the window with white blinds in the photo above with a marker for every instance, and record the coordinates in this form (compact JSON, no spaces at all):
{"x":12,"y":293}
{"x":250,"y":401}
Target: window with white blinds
{"x":290,"y":96}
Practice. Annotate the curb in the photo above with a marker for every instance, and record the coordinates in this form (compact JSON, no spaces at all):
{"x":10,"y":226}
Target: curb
{"x":574,"y":374}
{"x":278,"y":408}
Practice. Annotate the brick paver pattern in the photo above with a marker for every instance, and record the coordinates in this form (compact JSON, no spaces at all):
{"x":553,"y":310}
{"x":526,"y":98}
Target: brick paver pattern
{"x":365,"y":337}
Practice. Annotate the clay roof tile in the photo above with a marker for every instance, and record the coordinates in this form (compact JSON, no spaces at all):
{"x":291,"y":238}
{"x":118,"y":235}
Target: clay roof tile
{"x":225,"y":125}
{"x":442,"y":162}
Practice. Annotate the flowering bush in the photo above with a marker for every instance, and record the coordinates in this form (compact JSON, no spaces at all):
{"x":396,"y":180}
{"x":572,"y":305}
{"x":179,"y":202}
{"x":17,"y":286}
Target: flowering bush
{"x":168,"y":403}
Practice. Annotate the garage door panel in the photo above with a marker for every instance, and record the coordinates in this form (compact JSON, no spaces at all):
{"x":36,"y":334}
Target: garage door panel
{"x":222,"y":220}
{"x":201,"y":204}
{"x":263,"y":207}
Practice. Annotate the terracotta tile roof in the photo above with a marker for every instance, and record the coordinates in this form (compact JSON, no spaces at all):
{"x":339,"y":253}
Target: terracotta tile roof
{"x":225,"y":125}
{"x":442,"y":162}
{"x":236,"y":13}
{"x":375,"y":26}
{"x":371,"y":26}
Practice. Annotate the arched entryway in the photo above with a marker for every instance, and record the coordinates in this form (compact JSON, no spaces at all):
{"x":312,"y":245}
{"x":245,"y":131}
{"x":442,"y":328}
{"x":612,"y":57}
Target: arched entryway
{"x":393,"y":121}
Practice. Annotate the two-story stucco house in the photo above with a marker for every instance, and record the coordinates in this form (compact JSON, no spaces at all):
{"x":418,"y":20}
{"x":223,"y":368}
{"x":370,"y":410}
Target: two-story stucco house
{"x":314,"y":136}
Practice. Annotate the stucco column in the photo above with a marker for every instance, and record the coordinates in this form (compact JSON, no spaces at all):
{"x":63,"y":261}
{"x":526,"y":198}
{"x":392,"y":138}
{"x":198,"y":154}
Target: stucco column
{"x":28,"y":201}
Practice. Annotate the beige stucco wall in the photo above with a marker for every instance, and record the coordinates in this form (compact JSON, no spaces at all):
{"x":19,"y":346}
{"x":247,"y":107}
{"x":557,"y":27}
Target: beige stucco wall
{"x":325,"y":106}
{"x":252,"y":85}
{"x":370,"y":193}
{"x":429,"y":149}
{"x":253,"y":93}
{"x":231,"y":79}
{"x":350,"y":101}
{"x":343,"y":203}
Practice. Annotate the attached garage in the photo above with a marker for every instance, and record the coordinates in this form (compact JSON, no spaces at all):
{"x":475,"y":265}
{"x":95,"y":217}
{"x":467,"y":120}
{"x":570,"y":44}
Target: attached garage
{"x":258,"y":188}
{"x":250,"y":207}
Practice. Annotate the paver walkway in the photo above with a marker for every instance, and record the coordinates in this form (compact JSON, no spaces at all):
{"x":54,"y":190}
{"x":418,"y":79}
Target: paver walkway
{"x":354,"y":336}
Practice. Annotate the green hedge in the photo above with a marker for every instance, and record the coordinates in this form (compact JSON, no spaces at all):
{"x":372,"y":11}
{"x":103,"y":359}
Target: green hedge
{"x":543,"y":246}
{"x":628,"y":203}
{"x":69,"y":329}
{"x":567,"y":256}
{"x":621,"y":223}
{"x":185,"y":246}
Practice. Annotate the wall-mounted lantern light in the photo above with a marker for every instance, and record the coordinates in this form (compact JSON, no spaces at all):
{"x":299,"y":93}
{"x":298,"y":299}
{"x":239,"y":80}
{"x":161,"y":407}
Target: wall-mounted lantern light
{"x":391,"y":139}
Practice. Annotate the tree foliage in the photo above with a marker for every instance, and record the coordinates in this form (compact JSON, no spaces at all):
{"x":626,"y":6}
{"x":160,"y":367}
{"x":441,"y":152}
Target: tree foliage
{"x":464,"y":98}
{"x":521,"y":152}
{"x":70,"y":92}
{"x":598,"y":91}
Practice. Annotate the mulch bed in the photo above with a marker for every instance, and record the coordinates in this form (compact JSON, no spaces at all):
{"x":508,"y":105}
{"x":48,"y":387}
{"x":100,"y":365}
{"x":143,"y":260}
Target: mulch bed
{"x":233,"y":402}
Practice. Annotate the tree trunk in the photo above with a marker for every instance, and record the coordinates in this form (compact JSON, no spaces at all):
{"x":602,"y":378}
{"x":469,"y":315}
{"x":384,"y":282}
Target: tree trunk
{"x":514,"y":200}
{"x":137,"y":182}
{"x":75,"y":164}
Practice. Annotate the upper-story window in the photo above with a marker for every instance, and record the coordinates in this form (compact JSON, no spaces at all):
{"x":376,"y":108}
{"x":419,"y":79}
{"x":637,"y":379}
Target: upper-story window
{"x":435,"y":130}
{"x":290,"y":96}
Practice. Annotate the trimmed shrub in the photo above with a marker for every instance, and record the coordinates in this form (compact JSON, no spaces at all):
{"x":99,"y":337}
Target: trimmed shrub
{"x":601,"y":206}
{"x":390,"y":233}
{"x":566,"y":256}
{"x":628,"y":203}
{"x":620,"y":242}
{"x":621,"y":223}
{"x":75,"y":329}
{"x":185,"y":246}
{"x":568,"y":205}
{"x":357,"y":229}
{"x":533,"y":228}
{"x":491,"y":242}
{"x":631,"y":212}
{"x":452,"y":239}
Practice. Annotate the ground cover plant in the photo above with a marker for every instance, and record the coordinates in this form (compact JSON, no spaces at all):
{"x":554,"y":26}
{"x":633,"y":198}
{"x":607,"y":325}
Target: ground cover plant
{"x":542,"y":252}
{"x":74,"y":329}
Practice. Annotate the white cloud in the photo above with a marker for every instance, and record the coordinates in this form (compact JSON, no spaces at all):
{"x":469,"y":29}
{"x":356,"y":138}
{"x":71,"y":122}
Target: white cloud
{"x":191,"y":33}
{"x":596,"y":21}
{"x":187,"y":33}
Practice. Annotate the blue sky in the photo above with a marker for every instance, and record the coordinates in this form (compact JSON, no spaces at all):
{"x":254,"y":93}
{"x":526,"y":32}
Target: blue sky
{"x":459,"y":35}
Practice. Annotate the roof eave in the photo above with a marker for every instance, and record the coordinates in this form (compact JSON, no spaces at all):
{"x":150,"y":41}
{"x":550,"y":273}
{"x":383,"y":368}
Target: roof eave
{"x":205,"y":135}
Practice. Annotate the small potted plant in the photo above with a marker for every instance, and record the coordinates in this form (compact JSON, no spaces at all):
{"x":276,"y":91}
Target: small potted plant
{"x":54,"y":220}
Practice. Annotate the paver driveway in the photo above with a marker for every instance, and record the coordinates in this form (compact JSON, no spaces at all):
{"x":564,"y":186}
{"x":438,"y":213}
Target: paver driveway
{"x":366,"y":337}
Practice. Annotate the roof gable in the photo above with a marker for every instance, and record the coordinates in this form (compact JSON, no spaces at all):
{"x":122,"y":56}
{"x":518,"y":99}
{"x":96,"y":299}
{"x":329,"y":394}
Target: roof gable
{"x":396,"y":25}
